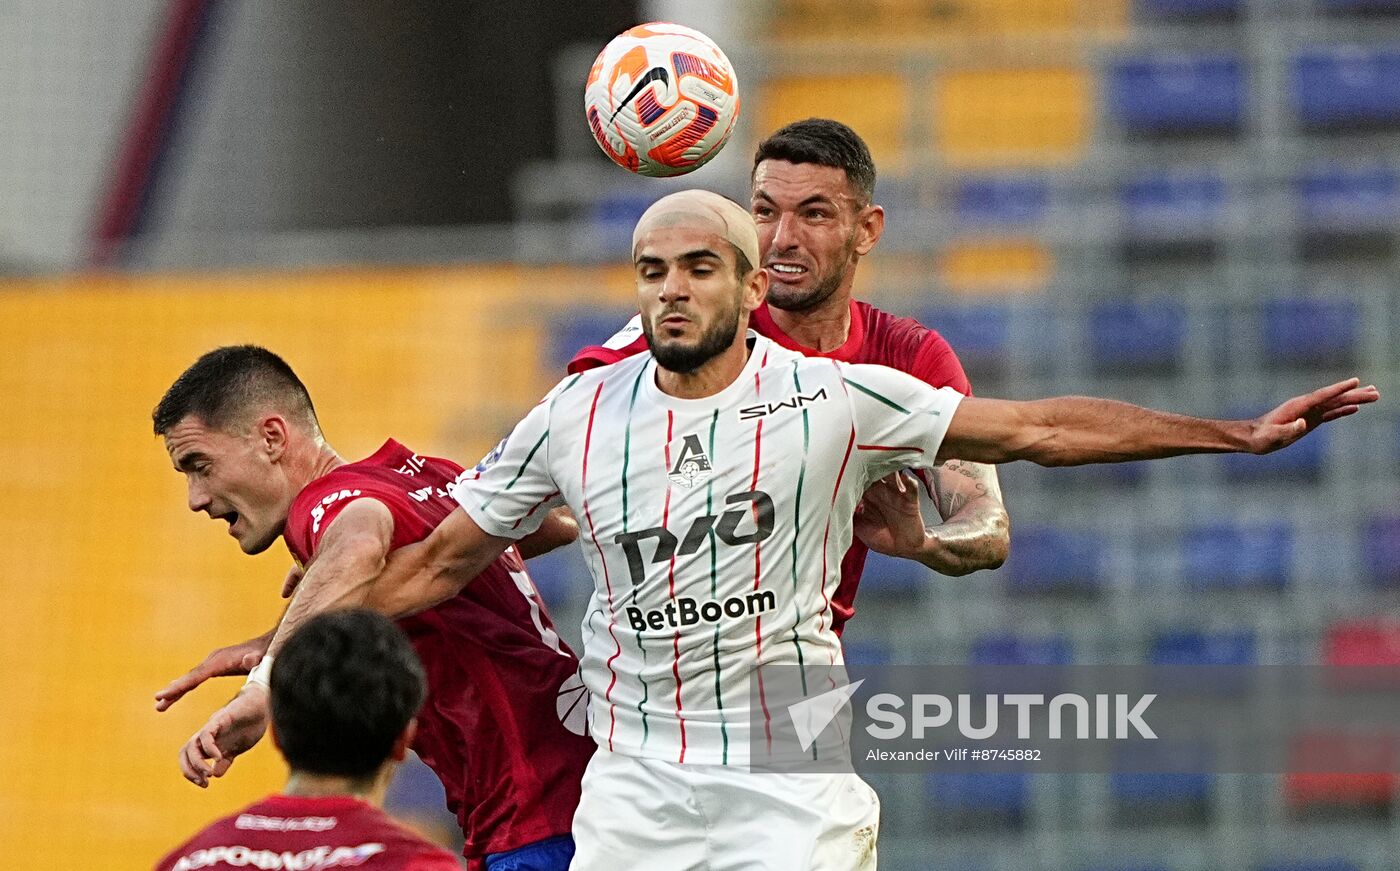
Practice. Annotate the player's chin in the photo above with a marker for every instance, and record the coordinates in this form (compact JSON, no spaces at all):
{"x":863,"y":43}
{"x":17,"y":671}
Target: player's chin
{"x":253,"y":544}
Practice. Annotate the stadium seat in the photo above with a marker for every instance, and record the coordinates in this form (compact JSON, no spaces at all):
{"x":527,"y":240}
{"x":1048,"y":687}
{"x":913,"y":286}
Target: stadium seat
{"x":1046,"y":559}
{"x":1007,"y":649}
{"x":1310,"y":331}
{"x":614,"y":215}
{"x":1232,"y":556}
{"x":561,"y":576}
{"x":1342,"y":199}
{"x":859,"y":653}
{"x":1166,"y":206}
{"x":1012,"y":116}
{"x":1373,"y":641}
{"x":996,"y":264}
{"x":1190,"y":647}
{"x":1000,"y":201}
{"x":1192,"y":9}
{"x":1133,"y":336}
{"x":1380,"y":542}
{"x":887,"y":574}
{"x":971,"y":799}
{"x":1343,"y":87}
{"x":1173,"y":793}
{"x":580,"y":327}
{"x":979,"y":333}
{"x":875,"y":104}
{"x":1341,"y":773}
{"x":1177,"y":94}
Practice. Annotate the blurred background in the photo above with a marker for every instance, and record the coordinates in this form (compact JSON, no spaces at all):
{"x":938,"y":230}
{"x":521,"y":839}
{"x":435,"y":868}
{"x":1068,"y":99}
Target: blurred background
{"x":1192,"y":204}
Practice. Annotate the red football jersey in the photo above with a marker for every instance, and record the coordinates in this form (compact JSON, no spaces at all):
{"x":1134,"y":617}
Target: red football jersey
{"x":504,"y":725}
{"x":286,"y":831}
{"x":875,"y":337}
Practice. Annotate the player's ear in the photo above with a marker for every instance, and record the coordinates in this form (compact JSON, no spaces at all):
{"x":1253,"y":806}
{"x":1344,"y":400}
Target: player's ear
{"x":870,"y":225}
{"x":272,"y":433}
{"x":400,"y":750}
{"x":755,"y":289}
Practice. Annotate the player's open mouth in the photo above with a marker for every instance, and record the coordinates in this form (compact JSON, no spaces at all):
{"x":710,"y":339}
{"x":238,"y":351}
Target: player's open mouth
{"x":232,"y":518}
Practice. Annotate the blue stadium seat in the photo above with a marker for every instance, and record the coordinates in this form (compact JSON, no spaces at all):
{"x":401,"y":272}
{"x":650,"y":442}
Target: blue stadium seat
{"x":1173,"y":205}
{"x":1310,"y":331}
{"x":1340,"y":198}
{"x":579,"y":327}
{"x":1166,"y":94}
{"x":1045,"y":559}
{"x":1004,"y":795}
{"x":415,"y":789}
{"x":1380,"y":542}
{"x":858,"y":653}
{"x":1347,"y":86}
{"x":1227,"y":555}
{"x":1173,"y":783}
{"x":1188,"y":8}
{"x":1001,"y":201}
{"x":1189,"y":647}
{"x":1137,"y":336}
{"x":887,"y":574}
{"x":1007,"y":649}
{"x":1310,"y":865}
{"x":979,"y":334}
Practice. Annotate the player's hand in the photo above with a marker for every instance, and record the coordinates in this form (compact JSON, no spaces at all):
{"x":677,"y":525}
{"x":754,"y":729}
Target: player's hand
{"x":289,"y":583}
{"x":888,"y":518}
{"x":1302,"y":414}
{"x":235,"y":659}
{"x":233,"y":730}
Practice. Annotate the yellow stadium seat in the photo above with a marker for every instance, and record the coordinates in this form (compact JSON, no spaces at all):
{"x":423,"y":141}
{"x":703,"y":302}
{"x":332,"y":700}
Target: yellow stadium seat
{"x":1012,"y":116}
{"x":885,"y":21}
{"x":996,"y":265}
{"x":875,"y":105}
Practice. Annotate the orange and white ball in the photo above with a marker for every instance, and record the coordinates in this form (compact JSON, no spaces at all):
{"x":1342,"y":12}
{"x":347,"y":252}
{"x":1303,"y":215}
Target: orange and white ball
{"x":661,"y":99}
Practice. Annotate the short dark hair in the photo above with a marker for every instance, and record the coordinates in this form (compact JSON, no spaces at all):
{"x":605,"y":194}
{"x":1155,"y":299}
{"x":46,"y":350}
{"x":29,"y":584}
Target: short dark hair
{"x":825,"y":143}
{"x":229,"y":382}
{"x":344,"y":688}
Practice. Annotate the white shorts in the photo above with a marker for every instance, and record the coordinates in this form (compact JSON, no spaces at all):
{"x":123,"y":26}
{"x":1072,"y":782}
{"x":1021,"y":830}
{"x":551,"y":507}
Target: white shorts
{"x":646,"y":813}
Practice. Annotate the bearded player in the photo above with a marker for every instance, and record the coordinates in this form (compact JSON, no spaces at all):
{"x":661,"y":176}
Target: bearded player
{"x":813,"y":201}
{"x":241,"y":427}
{"x":343,"y":698}
{"x":715,"y":480}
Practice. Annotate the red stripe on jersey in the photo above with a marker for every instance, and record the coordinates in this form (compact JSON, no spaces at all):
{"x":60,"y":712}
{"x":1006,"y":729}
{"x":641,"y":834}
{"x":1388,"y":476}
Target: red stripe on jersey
{"x":671,"y":583}
{"x":607,"y":581}
{"x":533,"y":509}
{"x":757,"y":564}
{"x":890,"y":448}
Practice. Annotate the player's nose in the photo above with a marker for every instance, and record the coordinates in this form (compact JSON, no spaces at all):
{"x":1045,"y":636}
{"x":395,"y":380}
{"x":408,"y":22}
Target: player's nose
{"x":197,"y":497}
{"x":675,"y":286}
{"x":784,"y":233}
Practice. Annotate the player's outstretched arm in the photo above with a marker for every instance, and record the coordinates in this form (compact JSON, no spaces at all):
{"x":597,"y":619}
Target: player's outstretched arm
{"x":419,"y":576}
{"x":1073,"y":430}
{"x":236,"y":659}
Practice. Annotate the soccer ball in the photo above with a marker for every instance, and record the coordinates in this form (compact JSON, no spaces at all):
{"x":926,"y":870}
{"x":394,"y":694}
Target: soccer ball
{"x":661,"y":99}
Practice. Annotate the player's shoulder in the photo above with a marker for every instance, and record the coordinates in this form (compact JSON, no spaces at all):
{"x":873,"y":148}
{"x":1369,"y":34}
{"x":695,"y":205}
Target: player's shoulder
{"x":897,"y":332}
{"x":910,"y":346}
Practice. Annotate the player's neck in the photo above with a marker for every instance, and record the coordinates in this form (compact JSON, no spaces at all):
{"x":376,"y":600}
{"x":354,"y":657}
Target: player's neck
{"x":716,"y":374}
{"x":370,"y":790}
{"x":324,"y":460}
{"x":824,"y":328}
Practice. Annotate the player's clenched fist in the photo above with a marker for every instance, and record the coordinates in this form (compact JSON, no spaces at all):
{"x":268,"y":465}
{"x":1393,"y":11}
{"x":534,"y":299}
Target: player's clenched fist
{"x":233,"y":729}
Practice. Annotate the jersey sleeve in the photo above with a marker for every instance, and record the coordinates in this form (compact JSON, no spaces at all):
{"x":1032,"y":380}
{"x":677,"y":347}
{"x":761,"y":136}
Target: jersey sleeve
{"x":433,"y":860}
{"x":899,"y":420}
{"x":937,"y":364}
{"x":511,"y":490}
{"x":316,"y":508}
{"x":624,"y":343}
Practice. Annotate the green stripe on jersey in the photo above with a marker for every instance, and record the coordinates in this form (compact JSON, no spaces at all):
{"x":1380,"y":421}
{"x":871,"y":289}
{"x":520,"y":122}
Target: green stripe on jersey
{"x":874,"y":395}
{"x":714,"y":594}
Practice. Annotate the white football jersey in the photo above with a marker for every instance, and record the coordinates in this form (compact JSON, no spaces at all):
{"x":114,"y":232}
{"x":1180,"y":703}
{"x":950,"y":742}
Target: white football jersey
{"x":714,"y":528}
